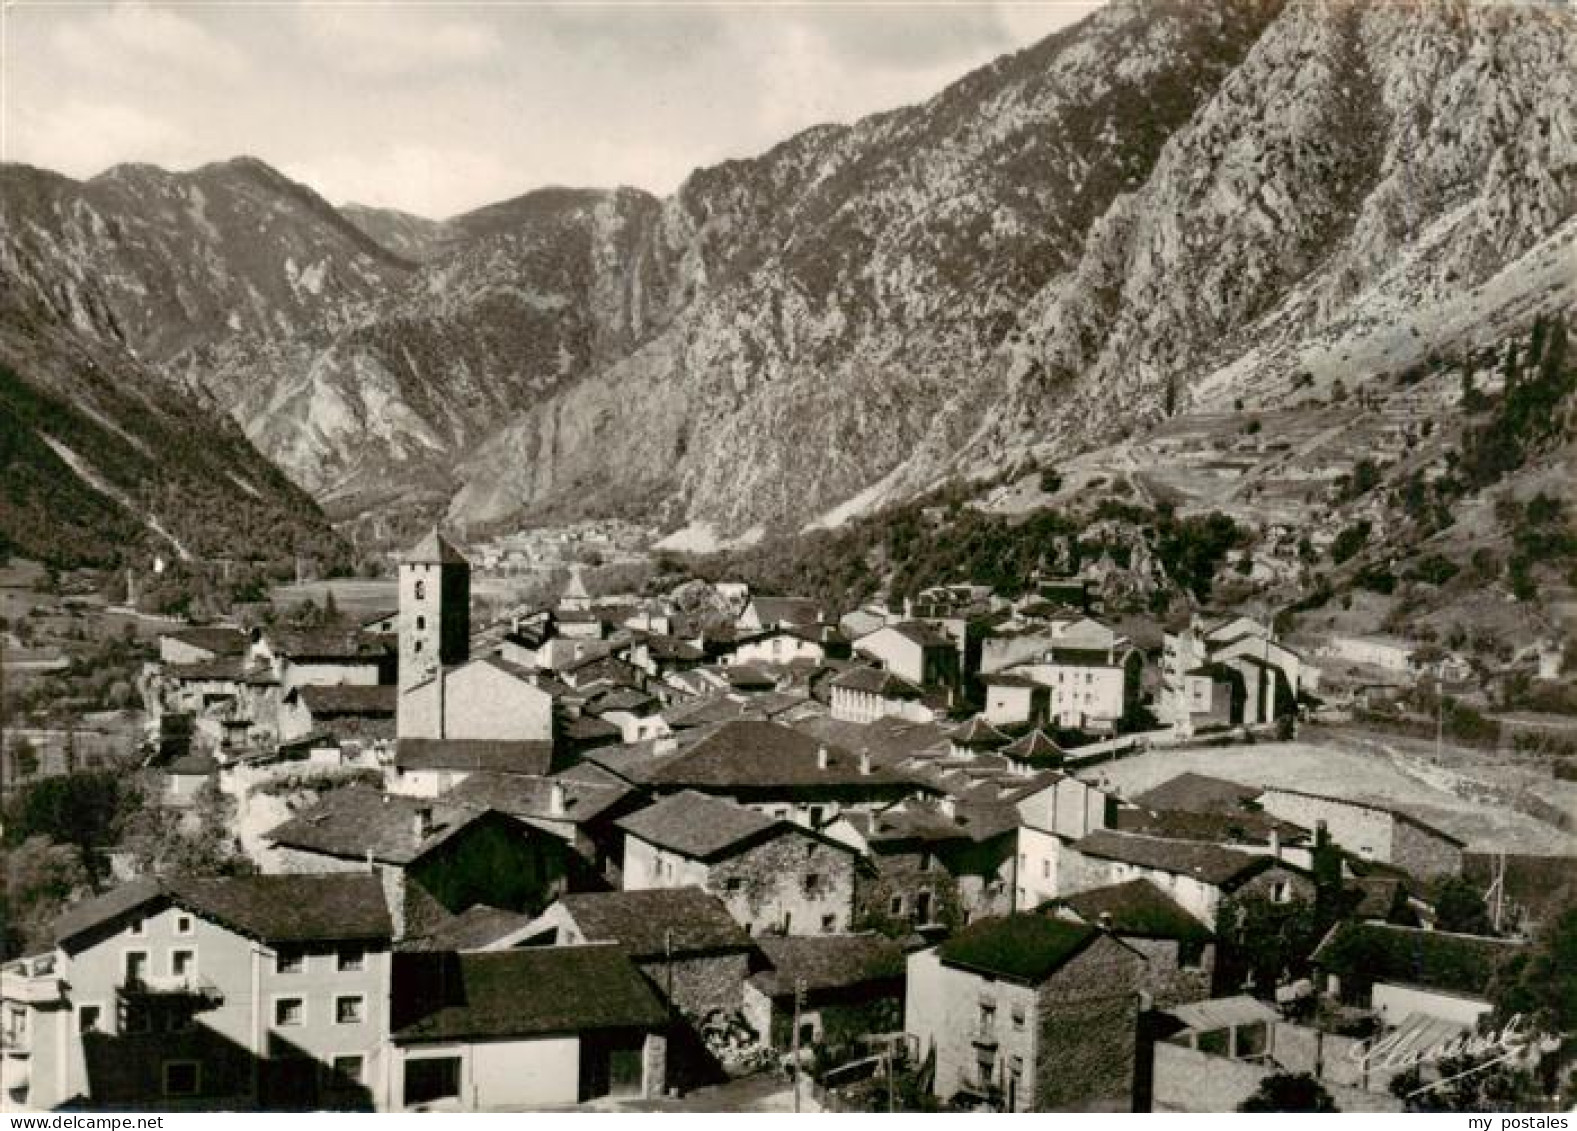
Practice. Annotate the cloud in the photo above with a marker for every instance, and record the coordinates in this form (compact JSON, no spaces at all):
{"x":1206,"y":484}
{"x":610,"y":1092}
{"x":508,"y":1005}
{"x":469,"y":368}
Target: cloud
{"x":393,"y":41}
{"x":436,"y":181}
{"x":83,"y":138}
{"x":137,"y":40}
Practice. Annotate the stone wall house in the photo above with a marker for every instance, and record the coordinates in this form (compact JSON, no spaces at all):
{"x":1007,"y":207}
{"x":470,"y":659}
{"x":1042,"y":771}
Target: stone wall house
{"x":1179,"y":950}
{"x":683,"y":939}
{"x":1028,"y":1013}
{"x":1197,"y":875}
{"x":434,"y":859}
{"x":850,"y":986}
{"x":774,"y":876}
{"x":1373,"y":832}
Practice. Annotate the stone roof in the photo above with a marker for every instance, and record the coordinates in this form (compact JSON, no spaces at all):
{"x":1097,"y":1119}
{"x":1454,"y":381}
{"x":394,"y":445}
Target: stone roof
{"x":786,"y":610}
{"x":487,"y":755}
{"x":1243,"y":827}
{"x":1209,"y":863}
{"x":1198,"y":793}
{"x":327,"y":644}
{"x":922,"y":634}
{"x":349,"y":699}
{"x":434,"y":549}
{"x":472,"y":929}
{"x":696,"y":825}
{"x":1022,"y":948}
{"x":217,"y":639}
{"x":356,"y":822}
{"x":1137,"y":908}
{"x":749,"y":753}
{"x":875,"y":681}
{"x":657,"y":922}
{"x":828,"y":962}
{"x":288,"y":908}
{"x":1036,"y":746}
{"x":978,"y":733}
{"x":530,"y":797}
{"x":528,"y":992}
{"x":1433,"y":960}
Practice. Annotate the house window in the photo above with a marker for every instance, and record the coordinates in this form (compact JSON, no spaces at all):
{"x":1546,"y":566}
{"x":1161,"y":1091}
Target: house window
{"x":348,"y":1070}
{"x":1045,"y":869}
{"x":348,"y":1010}
{"x":1280,"y":892}
{"x":419,"y":590}
{"x":352,"y":958}
{"x":138,"y":927}
{"x":895,"y":906}
{"x":183,"y":924}
{"x":289,"y":1011}
{"x":1190,"y":955}
{"x":421,"y":623}
{"x":817,"y":816}
{"x":182,"y":1077}
{"x":136,"y":966}
{"x":1018,"y":1015}
{"x":90,"y":1018}
{"x":813,"y":884}
{"x":183,"y":963}
{"x":289,"y":962}
{"x":988,"y":1017}
{"x":829,"y":923}
{"x":922,"y":906}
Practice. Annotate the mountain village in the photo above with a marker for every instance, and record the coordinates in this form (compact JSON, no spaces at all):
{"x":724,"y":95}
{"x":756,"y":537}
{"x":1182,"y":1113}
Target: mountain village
{"x":629,"y":851}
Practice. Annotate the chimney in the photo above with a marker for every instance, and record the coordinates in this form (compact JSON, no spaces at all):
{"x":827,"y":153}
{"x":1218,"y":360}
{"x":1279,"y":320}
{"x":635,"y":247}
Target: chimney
{"x":556,"y":799}
{"x":821,"y":757}
{"x":422,"y":822}
{"x":1275,"y":842}
{"x":1106,"y":920}
{"x":948,"y":807}
{"x":865,"y":762}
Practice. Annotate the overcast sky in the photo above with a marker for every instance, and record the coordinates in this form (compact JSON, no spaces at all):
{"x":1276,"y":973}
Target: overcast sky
{"x":436,"y":108}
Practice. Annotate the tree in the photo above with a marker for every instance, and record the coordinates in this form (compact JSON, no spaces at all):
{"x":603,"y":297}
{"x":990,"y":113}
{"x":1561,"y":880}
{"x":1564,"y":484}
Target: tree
{"x":1350,"y":541}
{"x":1267,"y":941}
{"x":1459,"y":906}
{"x":84,"y":810}
{"x":41,"y":877}
{"x":1290,"y":1091}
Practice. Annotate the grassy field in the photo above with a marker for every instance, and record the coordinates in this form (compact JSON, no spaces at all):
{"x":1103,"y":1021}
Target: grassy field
{"x":1470,"y":794}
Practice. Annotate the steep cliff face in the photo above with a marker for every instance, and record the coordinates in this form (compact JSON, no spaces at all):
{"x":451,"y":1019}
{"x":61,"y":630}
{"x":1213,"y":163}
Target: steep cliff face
{"x":1164,"y":207}
{"x":844,"y":288}
{"x":1365,"y":164}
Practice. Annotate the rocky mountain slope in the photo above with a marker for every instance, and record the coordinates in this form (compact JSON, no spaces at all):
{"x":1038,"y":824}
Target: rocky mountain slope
{"x":1165,"y":208}
{"x":1169,"y":208}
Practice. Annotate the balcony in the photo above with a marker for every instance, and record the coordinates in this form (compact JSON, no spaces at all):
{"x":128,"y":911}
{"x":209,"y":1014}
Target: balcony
{"x":32,"y":981}
{"x":191,"y":986}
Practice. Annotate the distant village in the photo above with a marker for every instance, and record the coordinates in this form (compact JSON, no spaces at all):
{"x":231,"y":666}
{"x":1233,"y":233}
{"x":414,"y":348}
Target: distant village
{"x":620,"y":850}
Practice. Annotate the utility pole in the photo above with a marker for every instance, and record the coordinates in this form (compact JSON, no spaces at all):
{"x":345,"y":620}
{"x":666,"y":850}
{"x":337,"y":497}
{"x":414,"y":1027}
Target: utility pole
{"x":799,"y":1001}
{"x":668,"y":963}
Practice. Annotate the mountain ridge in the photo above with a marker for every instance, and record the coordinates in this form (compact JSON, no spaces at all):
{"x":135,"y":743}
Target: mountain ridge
{"x":1162,"y":208}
